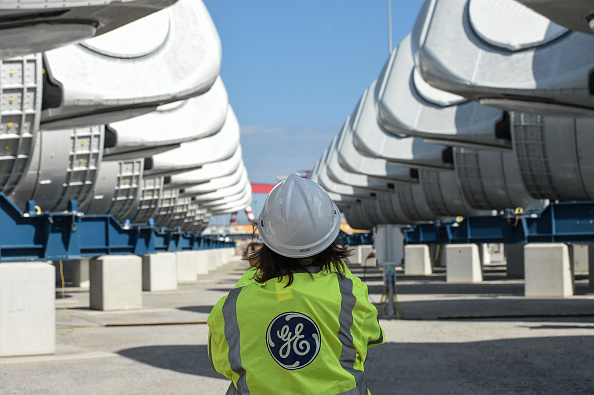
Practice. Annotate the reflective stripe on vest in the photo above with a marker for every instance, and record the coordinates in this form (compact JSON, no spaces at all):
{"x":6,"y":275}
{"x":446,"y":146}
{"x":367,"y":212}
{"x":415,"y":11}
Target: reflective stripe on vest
{"x":348,"y":355}
{"x":232,"y":336}
{"x":232,"y":390}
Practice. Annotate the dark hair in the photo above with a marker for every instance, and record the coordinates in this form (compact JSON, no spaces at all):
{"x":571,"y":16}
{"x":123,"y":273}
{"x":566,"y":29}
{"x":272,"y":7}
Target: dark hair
{"x":269,"y":264}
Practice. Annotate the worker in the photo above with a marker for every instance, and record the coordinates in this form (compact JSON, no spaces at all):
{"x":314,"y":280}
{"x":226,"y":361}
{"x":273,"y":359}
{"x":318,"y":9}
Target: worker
{"x":298,"y":321}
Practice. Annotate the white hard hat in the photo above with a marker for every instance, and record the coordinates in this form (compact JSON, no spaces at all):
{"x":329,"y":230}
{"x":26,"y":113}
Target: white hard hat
{"x":298,"y":218}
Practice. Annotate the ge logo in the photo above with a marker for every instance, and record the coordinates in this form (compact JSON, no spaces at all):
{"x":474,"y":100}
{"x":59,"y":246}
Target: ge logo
{"x":293,"y":340}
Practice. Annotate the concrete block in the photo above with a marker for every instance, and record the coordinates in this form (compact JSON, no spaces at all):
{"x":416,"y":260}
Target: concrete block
{"x":547,"y":270}
{"x":227,"y":254}
{"x":389,"y":245}
{"x":463,"y":264}
{"x":80,"y":273}
{"x":223,"y":256}
{"x":27,"y":309}
{"x":230,"y":251}
{"x":578,"y":256}
{"x":116,"y":282}
{"x":514,"y":255}
{"x":201,"y":259}
{"x":186,"y":267}
{"x":485,"y":254}
{"x":360,"y":254}
{"x":417,"y":261}
{"x":159,"y":272}
{"x":214,"y":259}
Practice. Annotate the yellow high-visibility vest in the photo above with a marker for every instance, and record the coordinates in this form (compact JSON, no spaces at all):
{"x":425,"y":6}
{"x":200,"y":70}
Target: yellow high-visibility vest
{"x":308,"y":338}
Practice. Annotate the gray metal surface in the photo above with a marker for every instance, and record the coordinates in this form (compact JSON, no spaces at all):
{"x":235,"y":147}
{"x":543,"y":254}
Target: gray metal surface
{"x":357,"y":218}
{"x":167,"y":206}
{"x":192,"y":155}
{"x":216,"y":197}
{"x":554,"y":155}
{"x":371,"y":139}
{"x":170,"y":125}
{"x":373,"y":212}
{"x":410,"y":200}
{"x":199,"y":221}
{"x":231,"y":205}
{"x":228,"y":200}
{"x":407,"y":105}
{"x":444,"y":195}
{"x":339,"y":175}
{"x":207,"y":172}
{"x":179,"y":212}
{"x":575,"y":14}
{"x":189,"y":218}
{"x":20,"y":107}
{"x":546,"y":74}
{"x":35,"y":26}
{"x":321,"y":177}
{"x":389,"y":205}
{"x":374,"y":168}
{"x":492,"y":180}
{"x":106,"y":81}
{"x":219,"y":185}
{"x":150,"y":196}
{"x":68,"y":166}
{"x":64,"y":166}
{"x":117,"y":189}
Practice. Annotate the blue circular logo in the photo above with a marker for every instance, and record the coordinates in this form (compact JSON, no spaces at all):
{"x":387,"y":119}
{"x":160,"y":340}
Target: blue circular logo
{"x":293,"y":340}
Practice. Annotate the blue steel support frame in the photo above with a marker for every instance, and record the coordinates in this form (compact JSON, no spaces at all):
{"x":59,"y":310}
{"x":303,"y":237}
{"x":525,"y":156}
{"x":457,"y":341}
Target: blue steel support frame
{"x":355,"y":239}
{"x":559,"y":222}
{"x":31,"y":236}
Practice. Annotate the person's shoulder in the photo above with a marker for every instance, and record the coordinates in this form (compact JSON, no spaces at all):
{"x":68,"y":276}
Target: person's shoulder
{"x":247,"y":278}
{"x":347,"y":273}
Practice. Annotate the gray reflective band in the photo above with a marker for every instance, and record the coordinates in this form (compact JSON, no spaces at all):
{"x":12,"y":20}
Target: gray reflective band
{"x":360,"y":389}
{"x":348,"y":355}
{"x":381,"y":336}
{"x":232,"y":390}
{"x":232,"y":336}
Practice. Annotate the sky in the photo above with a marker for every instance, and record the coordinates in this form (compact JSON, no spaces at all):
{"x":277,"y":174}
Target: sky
{"x":295,"y":69}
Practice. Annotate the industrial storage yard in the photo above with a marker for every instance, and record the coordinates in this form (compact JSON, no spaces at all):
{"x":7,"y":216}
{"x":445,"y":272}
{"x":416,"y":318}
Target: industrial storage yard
{"x":462,"y":177}
{"x":507,"y":344}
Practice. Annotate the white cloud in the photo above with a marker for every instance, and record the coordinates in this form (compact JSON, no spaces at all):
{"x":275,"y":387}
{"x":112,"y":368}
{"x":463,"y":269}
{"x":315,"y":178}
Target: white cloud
{"x":258,"y":130}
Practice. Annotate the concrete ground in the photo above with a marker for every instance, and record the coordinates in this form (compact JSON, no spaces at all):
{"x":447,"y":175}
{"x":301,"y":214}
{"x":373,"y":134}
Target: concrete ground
{"x":482,"y":338}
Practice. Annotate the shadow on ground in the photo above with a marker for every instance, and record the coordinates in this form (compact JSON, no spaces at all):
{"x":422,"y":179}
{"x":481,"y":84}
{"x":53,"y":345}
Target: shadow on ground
{"x":226,"y":290}
{"x":527,"y":366}
{"x":197,"y":309}
{"x":500,"y":308}
{"x":188,"y":359}
{"x":543,"y":365}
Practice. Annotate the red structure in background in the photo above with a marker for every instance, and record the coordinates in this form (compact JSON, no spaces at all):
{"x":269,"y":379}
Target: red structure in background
{"x":256,"y":188}
{"x":262,"y":188}
{"x":266,"y":188}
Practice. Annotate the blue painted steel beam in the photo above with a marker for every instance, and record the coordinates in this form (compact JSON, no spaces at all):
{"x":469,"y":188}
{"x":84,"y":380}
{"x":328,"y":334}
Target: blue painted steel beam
{"x":355,"y":239}
{"x":559,"y":222}
{"x":34,"y":236}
